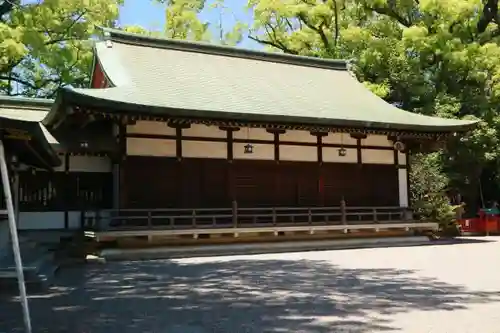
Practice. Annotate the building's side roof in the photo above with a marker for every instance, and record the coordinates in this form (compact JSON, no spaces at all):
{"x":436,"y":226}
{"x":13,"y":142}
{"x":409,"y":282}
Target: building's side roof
{"x":27,"y":109}
{"x":161,"y":77}
{"x":24,"y":135}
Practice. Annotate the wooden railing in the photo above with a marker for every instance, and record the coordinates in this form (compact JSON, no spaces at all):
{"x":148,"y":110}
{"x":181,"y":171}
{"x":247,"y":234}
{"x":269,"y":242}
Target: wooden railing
{"x":129,"y":219}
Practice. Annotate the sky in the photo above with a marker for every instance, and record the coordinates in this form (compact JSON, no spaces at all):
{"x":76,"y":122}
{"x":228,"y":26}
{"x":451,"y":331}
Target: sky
{"x":151,"y":15}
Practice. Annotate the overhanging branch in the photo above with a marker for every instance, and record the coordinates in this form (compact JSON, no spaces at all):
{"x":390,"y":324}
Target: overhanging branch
{"x":391,"y":13}
{"x":273,"y":44}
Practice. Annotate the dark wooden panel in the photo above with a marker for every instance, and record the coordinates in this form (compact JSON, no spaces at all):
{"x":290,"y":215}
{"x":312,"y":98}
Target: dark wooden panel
{"x":152,"y":182}
{"x":298,"y":186}
{"x":215,"y":183}
{"x":255,"y":183}
{"x":366,"y":185}
{"x":286,"y":192}
{"x":168,"y":183}
{"x":384,"y":187}
{"x":190,"y":183}
{"x":44,"y":191}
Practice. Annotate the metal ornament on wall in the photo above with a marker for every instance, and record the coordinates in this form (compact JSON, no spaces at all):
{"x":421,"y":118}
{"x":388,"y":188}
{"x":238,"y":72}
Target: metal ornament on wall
{"x":399,"y":146}
{"x":248,"y":148}
{"x":342,"y":151}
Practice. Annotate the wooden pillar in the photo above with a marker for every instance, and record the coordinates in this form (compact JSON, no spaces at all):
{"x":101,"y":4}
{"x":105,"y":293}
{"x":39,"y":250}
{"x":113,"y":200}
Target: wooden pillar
{"x":231,"y":183}
{"x":366,"y":195}
{"x":122,"y":157}
{"x":179,"y":177}
{"x":277,"y":170}
{"x":359,"y":146}
{"x":321,"y":180}
{"x":67,"y":190}
{"x":403,"y":171}
{"x":408,"y":171}
{"x":182,"y":201}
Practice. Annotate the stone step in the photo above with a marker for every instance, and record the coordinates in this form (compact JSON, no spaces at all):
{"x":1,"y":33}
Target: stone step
{"x":258,"y":248}
{"x":38,"y":272}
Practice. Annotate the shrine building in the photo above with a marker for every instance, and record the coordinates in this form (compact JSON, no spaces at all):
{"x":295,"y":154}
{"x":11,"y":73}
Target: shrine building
{"x":183,"y":139}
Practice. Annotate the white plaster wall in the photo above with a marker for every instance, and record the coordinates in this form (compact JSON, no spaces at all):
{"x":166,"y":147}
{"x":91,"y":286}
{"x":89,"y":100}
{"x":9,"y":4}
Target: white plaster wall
{"x":298,"y":153}
{"x":298,"y":136}
{"x":89,"y":164}
{"x":339,"y":139}
{"x":41,"y":220}
{"x":370,"y":156}
{"x":150,"y":147}
{"x":151,"y":127}
{"x":202,"y":149}
{"x":401,"y":158}
{"x":403,"y":188}
{"x":50,"y":220}
{"x":332,"y":155}
{"x":84,"y":163}
{"x":376,"y":140}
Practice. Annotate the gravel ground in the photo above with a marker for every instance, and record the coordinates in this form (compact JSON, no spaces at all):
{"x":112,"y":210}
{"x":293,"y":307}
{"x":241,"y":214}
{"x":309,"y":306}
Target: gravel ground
{"x":442,"y":289}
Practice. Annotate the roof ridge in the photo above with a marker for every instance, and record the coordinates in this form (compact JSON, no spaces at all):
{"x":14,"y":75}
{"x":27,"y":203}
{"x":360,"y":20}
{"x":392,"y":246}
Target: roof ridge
{"x":220,"y":50}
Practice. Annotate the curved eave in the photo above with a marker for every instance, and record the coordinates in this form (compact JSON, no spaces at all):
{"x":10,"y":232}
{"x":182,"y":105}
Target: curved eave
{"x":31,"y":146}
{"x":88,"y":98}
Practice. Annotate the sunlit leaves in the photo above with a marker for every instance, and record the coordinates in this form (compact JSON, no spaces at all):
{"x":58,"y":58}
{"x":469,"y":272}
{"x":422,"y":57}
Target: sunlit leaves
{"x":427,"y":56}
{"x":45,"y":45}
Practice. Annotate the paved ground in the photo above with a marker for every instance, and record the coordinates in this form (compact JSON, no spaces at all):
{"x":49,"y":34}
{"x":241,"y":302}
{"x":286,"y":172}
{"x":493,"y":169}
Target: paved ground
{"x":442,"y":289}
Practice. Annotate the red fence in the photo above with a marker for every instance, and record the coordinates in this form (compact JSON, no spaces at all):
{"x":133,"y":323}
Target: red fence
{"x":484,"y":224}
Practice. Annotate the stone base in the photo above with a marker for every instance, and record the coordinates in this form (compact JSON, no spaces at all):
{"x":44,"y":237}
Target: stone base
{"x":258,"y":248}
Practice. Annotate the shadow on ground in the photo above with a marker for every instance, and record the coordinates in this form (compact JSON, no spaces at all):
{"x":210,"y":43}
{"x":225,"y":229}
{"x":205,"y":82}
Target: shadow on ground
{"x":245,"y":296}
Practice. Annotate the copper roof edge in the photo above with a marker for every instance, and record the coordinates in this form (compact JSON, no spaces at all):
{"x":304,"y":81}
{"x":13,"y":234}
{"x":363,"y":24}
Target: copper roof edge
{"x":25,"y":102}
{"x":219,"y":50}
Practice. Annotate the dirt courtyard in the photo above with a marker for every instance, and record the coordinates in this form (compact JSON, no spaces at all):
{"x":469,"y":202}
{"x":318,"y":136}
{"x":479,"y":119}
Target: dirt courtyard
{"x":441,"y":289}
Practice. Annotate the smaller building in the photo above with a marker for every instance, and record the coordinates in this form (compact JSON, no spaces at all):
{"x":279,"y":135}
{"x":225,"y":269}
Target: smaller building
{"x":23,"y":144}
{"x":54,"y":198}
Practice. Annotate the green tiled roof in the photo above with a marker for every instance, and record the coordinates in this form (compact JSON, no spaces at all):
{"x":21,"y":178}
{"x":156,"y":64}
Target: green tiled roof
{"x":21,"y":114}
{"x":27,"y":109}
{"x":156,"y":76}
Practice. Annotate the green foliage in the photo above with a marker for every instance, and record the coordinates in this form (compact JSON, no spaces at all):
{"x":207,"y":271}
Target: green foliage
{"x":432,"y":57}
{"x":183,"y":22}
{"x":48,"y":44}
{"x":428,"y":184}
{"x":45,"y":45}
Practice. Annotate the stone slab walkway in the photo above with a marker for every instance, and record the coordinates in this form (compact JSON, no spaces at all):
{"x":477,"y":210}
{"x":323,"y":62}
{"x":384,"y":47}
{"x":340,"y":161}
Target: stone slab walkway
{"x":441,"y":289}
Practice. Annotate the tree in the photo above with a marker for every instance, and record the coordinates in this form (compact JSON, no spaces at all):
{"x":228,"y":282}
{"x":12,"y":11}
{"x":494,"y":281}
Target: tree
{"x":182,"y":19}
{"x":428,"y":185}
{"x":183,"y":22}
{"x":432,"y":57}
{"x":47,"y":44}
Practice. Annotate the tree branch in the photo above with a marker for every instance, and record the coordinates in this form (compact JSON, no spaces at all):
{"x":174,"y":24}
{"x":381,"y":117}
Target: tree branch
{"x":337,"y":28}
{"x":273,"y":44}
{"x":391,"y":13}
{"x":7,"y":5}
{"x":318,"y":30}
{"x":11,"y":78}
{"x":490,"y":14}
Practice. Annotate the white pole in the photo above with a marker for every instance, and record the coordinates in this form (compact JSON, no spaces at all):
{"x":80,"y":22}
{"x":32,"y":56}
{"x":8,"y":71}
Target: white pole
{"x":15,"y":241}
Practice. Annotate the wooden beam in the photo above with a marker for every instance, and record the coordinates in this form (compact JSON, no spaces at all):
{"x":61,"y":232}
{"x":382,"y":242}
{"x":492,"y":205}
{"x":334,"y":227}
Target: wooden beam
{"x":178,"y":143}
{"x":67,"y":189}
